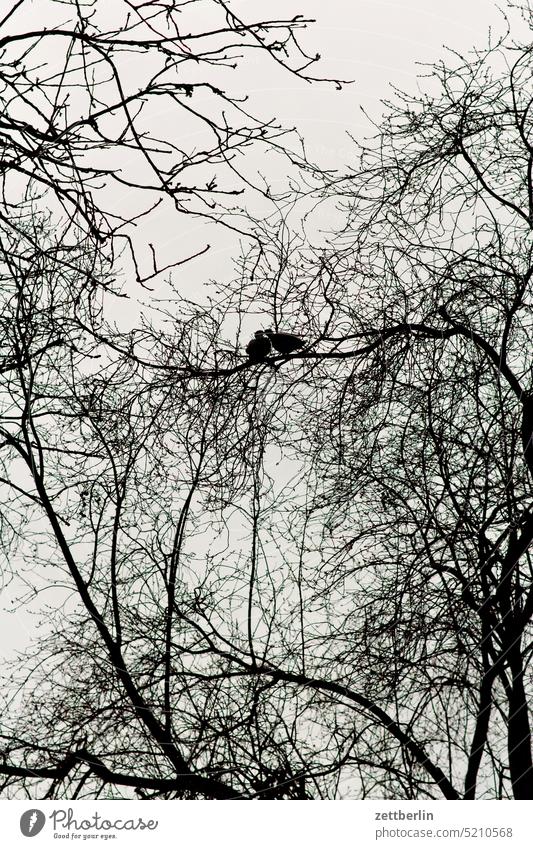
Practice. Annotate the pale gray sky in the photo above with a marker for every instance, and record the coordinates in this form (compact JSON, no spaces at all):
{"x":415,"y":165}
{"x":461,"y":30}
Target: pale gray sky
{"x":371,"y":41}
{"x":376,"y":43}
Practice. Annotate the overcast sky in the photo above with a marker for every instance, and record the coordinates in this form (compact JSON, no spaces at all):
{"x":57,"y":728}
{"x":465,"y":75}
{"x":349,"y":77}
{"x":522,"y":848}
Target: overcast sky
{"x":373,"y":42}
{"x":370,"y":41}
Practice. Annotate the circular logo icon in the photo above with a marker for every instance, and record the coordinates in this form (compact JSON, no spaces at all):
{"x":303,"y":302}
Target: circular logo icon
{"x":32,"y":822}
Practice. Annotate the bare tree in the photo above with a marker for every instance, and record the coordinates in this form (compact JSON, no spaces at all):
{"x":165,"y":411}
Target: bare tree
{"x":307,"y":577}
{"x":113,"y":113}
{"x":414,"y":401}
{"x":86,"y":423}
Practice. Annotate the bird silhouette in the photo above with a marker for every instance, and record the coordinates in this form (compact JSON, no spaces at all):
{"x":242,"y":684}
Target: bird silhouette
{"x":258,"y":347}
{"x":285,"y":343}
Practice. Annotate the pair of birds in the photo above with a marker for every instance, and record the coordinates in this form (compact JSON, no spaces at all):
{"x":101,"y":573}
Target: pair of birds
{"x":264,"y":340}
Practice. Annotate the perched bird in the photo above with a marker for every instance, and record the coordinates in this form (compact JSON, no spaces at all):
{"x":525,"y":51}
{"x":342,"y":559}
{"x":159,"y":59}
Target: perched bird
{"x":258,"y":347}
{"x":285,"y":343}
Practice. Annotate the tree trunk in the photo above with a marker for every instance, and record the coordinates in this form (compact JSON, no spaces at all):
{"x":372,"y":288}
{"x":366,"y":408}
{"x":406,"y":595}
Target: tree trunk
{"x":519,"y":730}
{"x":482,"y":729}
